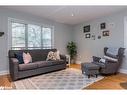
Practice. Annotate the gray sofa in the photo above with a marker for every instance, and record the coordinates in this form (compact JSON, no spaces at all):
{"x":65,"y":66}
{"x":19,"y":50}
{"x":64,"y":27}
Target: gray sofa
{"x":39,"y":64}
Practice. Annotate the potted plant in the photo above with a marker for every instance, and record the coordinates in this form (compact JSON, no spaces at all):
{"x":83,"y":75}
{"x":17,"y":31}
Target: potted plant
{"x":72,"y":50}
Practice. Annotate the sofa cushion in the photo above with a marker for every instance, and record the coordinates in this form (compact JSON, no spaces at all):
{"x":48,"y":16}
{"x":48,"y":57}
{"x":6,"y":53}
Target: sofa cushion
{"x":49,"y":63}
{"x":30,"y":66}
{"x":57,"y":62}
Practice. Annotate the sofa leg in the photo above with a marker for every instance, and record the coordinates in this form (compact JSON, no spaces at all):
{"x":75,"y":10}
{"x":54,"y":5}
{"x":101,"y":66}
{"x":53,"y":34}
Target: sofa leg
{"x":88,"y":76}
{"x":96,"y":75}
{"x":115,"y":73}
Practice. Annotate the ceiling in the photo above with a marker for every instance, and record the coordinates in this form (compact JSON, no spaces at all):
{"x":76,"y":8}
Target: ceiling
{"x":69,"y":14}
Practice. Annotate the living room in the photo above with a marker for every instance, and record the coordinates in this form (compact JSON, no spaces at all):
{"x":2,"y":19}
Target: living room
{"x":91,"y":28}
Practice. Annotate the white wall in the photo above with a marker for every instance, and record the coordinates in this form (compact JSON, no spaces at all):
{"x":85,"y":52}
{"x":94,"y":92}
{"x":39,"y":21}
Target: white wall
{"x":88,"y":47}
{"x":62,"y":33}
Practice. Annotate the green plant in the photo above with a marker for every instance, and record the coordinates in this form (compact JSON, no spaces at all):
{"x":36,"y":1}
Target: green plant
{"x":72,"y":49}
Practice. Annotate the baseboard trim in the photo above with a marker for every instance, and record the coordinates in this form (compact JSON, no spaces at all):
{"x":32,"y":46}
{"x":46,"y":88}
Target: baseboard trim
{"x":4,"y":72}
{"x":123,"y":71}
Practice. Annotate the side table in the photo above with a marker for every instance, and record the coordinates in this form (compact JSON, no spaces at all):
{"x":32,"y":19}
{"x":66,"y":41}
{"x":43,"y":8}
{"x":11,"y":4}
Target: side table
{"x":68,"y":60}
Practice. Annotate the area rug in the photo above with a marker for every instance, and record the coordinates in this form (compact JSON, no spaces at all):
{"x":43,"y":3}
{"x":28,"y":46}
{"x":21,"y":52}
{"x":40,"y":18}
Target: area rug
{"x":65,"y":79}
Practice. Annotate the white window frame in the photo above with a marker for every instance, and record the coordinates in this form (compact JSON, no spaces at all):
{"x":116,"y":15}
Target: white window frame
{"x":10,"y":20}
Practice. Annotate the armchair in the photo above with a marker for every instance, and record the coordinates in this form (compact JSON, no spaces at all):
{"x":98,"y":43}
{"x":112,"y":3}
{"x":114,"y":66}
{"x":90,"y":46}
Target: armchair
{"x":110,"y":67}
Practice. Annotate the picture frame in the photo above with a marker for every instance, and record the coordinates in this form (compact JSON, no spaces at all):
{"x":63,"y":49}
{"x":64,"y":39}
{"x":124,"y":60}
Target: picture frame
{"x":93,"y":37}
{"x":105,"y":33}
{"x":86,"y":28}
{"x":103,"y":25}
{"x":99,"y":37}
{"x":88,"y":35}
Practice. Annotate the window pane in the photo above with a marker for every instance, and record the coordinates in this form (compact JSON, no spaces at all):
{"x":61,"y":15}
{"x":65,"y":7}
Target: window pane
{"x":34,"y":48}
{"x":46,"y":35}
{"x":18,"y":35}
{"x":34,"y":36}
{"x":18,"y":48}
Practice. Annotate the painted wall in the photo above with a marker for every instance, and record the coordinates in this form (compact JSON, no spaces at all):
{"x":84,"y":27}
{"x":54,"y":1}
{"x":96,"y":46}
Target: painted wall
{"x":88,"y":47}
{"x":62,"y":33}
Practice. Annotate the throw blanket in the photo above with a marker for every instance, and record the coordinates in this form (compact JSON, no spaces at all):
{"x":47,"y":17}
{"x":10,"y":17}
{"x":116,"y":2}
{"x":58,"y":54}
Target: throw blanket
{"x":113,"y":51}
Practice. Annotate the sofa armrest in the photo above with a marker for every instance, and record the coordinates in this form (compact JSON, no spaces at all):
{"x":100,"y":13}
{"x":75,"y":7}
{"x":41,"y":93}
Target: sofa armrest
{"x":13,"y":65}
{"x":14,"y":60}
{"x":63,"y":57}
{"x":96,"y":59}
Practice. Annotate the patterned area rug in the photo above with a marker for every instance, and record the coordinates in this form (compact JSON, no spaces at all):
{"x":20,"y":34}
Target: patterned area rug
{"x":65,"y":79}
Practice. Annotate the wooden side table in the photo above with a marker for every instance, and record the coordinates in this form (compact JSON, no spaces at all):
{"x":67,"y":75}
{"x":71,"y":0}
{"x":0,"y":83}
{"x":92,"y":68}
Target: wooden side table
{"x":68,"y":60}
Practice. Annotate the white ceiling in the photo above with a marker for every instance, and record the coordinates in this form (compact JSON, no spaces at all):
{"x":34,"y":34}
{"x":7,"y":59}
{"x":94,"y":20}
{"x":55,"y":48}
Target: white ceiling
{"x":63,"y":14}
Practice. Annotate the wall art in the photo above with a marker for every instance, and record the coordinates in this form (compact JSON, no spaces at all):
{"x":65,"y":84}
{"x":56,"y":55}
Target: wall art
{"x":86,"y":28}
{"x":105,"y":33}
{"x":87,"y":35}
{"x":103,"y":25}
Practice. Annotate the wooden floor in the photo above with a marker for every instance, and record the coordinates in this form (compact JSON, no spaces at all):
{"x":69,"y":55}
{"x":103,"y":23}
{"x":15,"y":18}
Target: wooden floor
{"x":118,"y":81}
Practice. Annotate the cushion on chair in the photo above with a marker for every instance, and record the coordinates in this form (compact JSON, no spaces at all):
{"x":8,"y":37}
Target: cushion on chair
{"x":112,"y":52}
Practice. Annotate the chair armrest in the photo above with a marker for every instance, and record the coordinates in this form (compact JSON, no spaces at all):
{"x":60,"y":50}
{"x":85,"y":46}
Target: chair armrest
{"x":63,"y":57}
{"x":96,"y":59}
{"x":111,"y":64}
{"x":110,"y":61}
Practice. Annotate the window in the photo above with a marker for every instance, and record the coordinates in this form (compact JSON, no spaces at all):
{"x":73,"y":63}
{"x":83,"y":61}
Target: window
{"x":18,"y":35}
{"x":34,"y":36}
{"x":46,"y":35}
{"x":29,"y":36}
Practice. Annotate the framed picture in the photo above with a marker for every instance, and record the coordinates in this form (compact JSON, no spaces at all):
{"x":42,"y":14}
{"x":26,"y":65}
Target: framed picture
{"x":86,"y":28}
{"x":99,"y":37}
{"x":103,"y":25}
{"x":106,"y":33}
{"x":93,"y":37}
{"x":87,"y":35}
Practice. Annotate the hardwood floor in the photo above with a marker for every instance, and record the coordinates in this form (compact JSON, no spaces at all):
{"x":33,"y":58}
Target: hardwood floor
{"x":118,"y":81}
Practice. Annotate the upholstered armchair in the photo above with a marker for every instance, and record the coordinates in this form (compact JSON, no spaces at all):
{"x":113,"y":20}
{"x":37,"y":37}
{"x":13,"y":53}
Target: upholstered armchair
{"x":110,"y":66}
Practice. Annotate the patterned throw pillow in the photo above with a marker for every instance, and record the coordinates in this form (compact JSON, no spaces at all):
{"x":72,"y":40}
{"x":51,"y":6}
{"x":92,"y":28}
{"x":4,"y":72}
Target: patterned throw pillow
{"x":57,"y":55}
{"x":53,"y":55}
{"x":27,"y":58}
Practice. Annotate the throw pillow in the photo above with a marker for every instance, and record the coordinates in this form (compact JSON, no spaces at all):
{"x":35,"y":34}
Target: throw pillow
{"x":19,"y":56}
{"x":27,"y":58}
{"x":57,"y":55}
{"x":53,"y":55}
{"x":110,"y":58}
